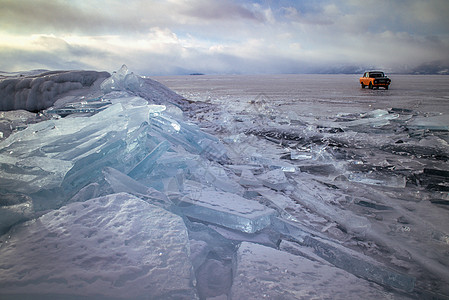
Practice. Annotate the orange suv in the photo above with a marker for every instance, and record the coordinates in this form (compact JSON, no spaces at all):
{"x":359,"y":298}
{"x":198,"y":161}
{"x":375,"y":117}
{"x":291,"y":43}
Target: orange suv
{"x":374,"y":79}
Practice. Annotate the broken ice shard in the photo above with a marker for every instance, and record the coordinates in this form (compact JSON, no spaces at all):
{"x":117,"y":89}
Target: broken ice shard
{"x":122,"y":80}
{"x":147,"y":164}
{"x":418,"y":151}
{"x":300,"y":155}
{"x":360,"y":267}
{"x":395,"y":181}
{"x":189,"y":136}
{"x":88,"y":168}
{"x":376,"y":118}
{"x":313,"y":200}
{"x":122,"y":183}
{"x":227,"y":210}
{"x":93,"y":105}
{"x":216,"y":176}
{"x":344,"y":258}
{"x":274,"y":179}
{"x":272,"y":163}
{"x":266,"y":236}
{"x":248,"y":179}
{"x":437,"y":123}
{"x":263,"y":272}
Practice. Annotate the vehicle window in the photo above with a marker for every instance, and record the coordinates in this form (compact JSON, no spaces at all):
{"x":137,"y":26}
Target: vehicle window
{"x":375,"y":75}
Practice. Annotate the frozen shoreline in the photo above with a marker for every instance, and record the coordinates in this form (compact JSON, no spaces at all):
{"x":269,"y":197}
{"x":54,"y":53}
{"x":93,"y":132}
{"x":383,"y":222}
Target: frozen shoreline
{"x":371,"y":184}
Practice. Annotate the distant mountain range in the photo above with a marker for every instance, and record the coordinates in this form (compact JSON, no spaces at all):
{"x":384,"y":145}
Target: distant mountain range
{"x":430,"y":68}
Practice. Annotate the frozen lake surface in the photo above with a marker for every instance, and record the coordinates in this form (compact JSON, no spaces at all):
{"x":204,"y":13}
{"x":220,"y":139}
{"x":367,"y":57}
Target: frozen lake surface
{"x":374,"y":151}
{"x":237,"y":187}
{"x":318,"y":94}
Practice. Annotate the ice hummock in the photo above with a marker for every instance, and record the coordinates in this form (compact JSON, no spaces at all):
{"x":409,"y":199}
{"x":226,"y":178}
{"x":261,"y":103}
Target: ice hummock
{"x":73,"y":151}
{"x":343,"y":191}
{"x":40,"y":91}
{"x":121,"y":80}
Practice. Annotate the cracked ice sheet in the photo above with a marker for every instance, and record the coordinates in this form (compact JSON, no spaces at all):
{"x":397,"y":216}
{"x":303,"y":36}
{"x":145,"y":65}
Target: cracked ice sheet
{"x":112,"y":247}
{"x":264,"y":272}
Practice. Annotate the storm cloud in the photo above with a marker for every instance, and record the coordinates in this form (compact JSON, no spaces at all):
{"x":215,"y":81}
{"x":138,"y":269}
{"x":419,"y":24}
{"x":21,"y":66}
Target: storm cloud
{"x":211,"y":36}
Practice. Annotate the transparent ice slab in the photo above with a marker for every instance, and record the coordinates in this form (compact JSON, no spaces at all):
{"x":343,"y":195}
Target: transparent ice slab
{"x":395,"y":181}
{"x":375,"y":118}
{"x":154,"y":92}
{"x":189,"y":136}
{"x":146,"y":165}
{"x":120,"y":80}
{"x":266,"y":236}
{"x":29,"y":175}
{"x":227,"y":210}
{"x":91,"y":106}
{"x":272,"y":164}
{"x":213,"y":174}
{"x":173,"y":162}
{"x":71,"y":152}
{"x":120,"y":182}
{"x":275,"y":200}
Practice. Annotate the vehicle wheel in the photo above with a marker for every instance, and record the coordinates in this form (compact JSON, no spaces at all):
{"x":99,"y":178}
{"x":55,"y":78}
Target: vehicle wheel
{"x":370,"y":86}
{"x":386,"y":87}
{"x":363,"y":86}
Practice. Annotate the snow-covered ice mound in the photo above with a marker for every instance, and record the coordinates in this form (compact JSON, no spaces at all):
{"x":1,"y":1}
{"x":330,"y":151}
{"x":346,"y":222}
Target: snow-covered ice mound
{"x":38,"y":92}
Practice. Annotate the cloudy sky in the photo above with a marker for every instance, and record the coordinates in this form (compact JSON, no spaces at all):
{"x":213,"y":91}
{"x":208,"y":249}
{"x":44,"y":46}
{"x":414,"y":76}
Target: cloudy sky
{"x":162,"y":37}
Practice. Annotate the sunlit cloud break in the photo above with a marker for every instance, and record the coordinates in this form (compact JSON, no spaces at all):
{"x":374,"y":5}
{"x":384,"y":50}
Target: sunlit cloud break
{"x":182,"y":37}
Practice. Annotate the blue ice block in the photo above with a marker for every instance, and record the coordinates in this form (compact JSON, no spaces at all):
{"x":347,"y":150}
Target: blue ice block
{"x":147,"y":164}
{"x":189,"y":136}
{"x":227,"y":210}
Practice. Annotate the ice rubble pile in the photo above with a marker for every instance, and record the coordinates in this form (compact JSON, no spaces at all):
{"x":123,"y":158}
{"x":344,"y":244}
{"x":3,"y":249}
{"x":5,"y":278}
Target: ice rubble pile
{"x":95,"y":170}
{"x":115,"y":177}
{"x":377,"y":174}
{"x":60,"y":156}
